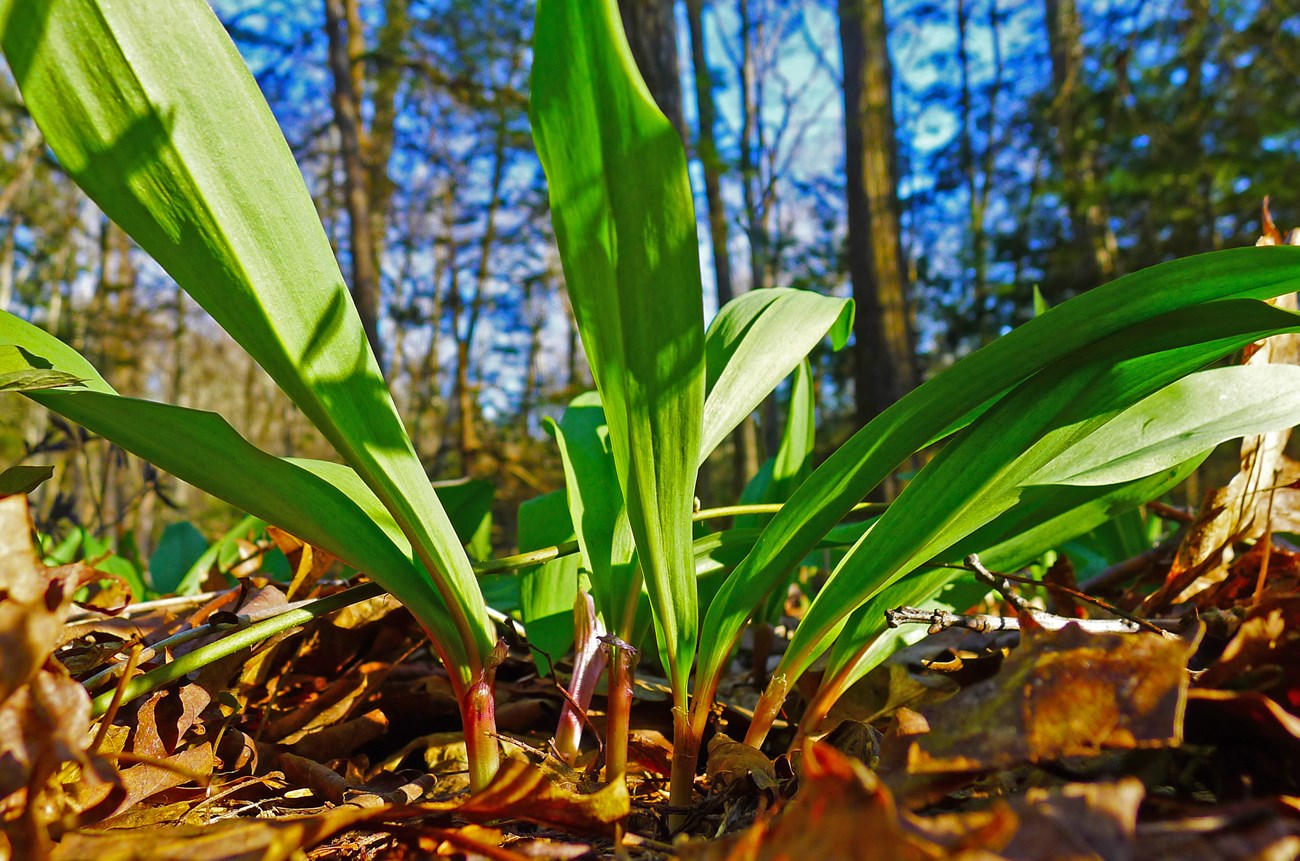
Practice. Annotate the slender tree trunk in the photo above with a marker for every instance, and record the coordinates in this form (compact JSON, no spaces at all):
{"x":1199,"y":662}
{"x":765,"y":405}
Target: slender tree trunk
{"x":652,"y":34}
{"x":707,"y":149}
{"x":884,"y":351}
{"x":347,"y":117}
{"x":1092,"y":237}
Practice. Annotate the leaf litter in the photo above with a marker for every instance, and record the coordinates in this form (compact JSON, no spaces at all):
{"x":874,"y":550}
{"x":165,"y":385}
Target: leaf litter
{"x":340,"y":739}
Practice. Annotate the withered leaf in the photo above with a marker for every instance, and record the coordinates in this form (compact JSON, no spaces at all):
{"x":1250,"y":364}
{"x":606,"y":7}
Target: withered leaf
{"x":845,"y":812}
{"x":730,"y":761}
{"x":1059,"y":694}
{"x":34,"y":600}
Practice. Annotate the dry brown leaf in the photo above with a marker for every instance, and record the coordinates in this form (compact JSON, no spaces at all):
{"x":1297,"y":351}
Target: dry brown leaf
{"x":340,"y":740}
{"x":231,"y":840}
{"x":843,"y":811}
{"x":730,"y":761}
{"x":146,"y":779}
{"x":1260,"y":830}
{"x":34,"y":600}
{"x":1077,"y":822}
{"x":1059,"y":694}
{"x":164,"y":718}
{"x":1263,"y":654}
{"x":330,"y":706}
{"x":523,"y":791}
{"x":651,"y":751}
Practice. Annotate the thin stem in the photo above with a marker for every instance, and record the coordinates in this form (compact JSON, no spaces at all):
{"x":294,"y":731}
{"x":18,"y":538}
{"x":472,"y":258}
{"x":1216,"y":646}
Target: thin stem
{"x":773,"y":508}
{"x":526,"y":560}
{"x":618,"y":711}
{"x":235,"y":642}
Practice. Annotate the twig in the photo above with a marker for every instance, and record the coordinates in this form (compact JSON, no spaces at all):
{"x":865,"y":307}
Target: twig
{"x":940,"y":620}
{"x":1081,"y":596}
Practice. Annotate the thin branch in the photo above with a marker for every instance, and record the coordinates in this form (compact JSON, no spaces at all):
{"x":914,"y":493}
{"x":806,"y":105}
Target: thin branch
{"x":941,"y":620}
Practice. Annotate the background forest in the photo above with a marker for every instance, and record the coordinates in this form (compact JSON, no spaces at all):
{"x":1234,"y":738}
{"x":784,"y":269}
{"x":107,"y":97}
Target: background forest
{"x":938,"y":160}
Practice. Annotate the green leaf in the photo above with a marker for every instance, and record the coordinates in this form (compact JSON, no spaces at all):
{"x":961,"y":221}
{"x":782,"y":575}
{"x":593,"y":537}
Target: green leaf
{"x":1192,"y":415}
{"x":547,"y":591}
{"x":181,"y":546}
{"x":981,"y":473}
{"x":625,"y":225}
{"x":1043,"y":519}
{"x":756,"y":340}
{"x":597,"y":511}
{"x":468,"y":504}
{"x":326,"y":504}
{"x":21,"y":372}
{"x":23,"y":479}
{"x":779,"y":477}
{"x":150,"y":109}
{"x":958,"y":395}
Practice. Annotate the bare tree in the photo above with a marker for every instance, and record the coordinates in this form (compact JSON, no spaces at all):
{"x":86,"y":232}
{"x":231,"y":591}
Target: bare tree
{"x":884,"y":358}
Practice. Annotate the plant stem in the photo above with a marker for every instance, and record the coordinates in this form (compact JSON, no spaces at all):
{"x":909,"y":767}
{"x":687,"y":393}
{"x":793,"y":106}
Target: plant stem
{"x":478,"y":713}
{"x":686,"y":757}
{"x":618,"y":711}
{"x":235,"y":642}
{"x":526,"y":560}
{"x":766,"y":710}
{"x":772,"y":508}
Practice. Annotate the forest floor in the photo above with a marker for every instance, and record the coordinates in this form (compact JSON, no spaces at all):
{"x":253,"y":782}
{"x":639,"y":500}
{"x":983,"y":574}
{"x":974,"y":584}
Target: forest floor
{"x":340,"y":739}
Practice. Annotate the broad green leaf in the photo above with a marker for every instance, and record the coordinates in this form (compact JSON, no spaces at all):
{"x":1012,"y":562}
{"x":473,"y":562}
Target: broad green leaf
{"x":598,"y":513}
{"x":547,"y":591}
{"x":326,"y":504}
{"x":24,"y":478}
{"x":1044,"y":519}
{"x":957,"y":396}
{"x":756,"y":340}
{"x":785,"y":471}
{"x":981,"y":473}
{"x":792,"y":462}
{"x":1192,"y":415}
{"x":180,"y":547}
{"x":468,"y":504}
{"x":150,"y":109}
{"x":625,"y":225}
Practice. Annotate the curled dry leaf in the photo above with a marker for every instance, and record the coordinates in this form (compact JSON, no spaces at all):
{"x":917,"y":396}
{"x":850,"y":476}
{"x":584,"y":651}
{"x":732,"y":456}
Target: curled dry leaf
{"x":1059,"y":694}
{"x":1263,"y":654}
{"x":731,"y":761}
{"x":44,"y":714}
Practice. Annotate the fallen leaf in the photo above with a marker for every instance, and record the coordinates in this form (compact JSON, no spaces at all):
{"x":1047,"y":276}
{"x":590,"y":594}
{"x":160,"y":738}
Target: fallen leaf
{"x":731,"y":761}
{"x":845,"y":812}
{"x":1257,"y":830}
{"x":523,"y":791}
{"x":231,"y":840}
{"x":1077,"y":822}
{"x":1058,"y":694}
{"x":34,"y":600}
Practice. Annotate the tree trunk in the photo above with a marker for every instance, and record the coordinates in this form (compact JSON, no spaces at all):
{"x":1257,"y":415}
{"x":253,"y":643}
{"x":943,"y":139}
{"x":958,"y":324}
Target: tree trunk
{"x":707,"y":149}
{"x":347,"y":113}
{"x":1088,"y":222}
{"x":883,"y":355}
{"x":652,"y":34}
